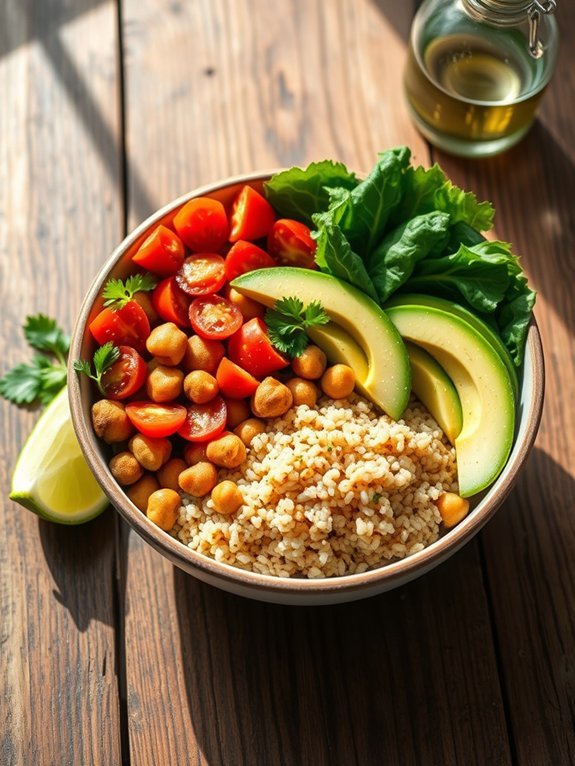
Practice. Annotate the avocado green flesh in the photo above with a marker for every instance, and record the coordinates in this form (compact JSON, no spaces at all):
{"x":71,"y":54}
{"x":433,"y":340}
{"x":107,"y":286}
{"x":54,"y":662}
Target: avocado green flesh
{"x":388,"y":380}
{"x":482,"y":382}
{"x":454,"y":308}
{"x":432,"y":386}
{"x":341,"y":348}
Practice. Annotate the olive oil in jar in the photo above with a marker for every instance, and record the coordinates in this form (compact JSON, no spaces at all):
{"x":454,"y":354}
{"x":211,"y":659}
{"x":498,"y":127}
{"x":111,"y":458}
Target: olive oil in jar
{"x":472,"y":89}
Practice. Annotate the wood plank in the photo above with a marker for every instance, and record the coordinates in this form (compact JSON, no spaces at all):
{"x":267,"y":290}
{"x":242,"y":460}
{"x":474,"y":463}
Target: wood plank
{"x":529,"y":547}
{"x":60,"y":216}
{"x":224,"y":88}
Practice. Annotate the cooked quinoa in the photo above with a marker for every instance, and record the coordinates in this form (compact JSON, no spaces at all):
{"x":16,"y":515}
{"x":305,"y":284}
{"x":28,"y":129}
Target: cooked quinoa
{"x":329,"y":491}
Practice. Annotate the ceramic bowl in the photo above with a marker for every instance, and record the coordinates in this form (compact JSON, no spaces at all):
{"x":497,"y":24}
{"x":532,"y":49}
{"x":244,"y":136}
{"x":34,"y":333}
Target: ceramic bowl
{"x":267,"y":587}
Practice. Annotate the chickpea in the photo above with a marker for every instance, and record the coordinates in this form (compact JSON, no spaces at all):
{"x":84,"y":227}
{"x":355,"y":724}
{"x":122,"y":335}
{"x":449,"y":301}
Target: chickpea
{"x":203,"y":354}
{"x":150,"y":452}
{"x":249,"y":428}
{"x":125,"y":468}
{"x":200,"y":386}
{"x":303,"y":392}
{"x":338,"y":381}
{"x":195,"y":453}
{"x":168,"y":343}
{"x":111,"y":422}
{"x":144,"y":299}
{"x":271,"y":399}
{"x":227,"y":497}
{"x":310,"y":364}
{"x":199,"y":479}
{"x":248,"y":307}
{"x":163,"y":508}
{"x":169,"y":473}
{"x":238,"y":410}
{"x":164,"y":384}
{"x":141,"y":491}
{"x":452,"y":508}
{"x":228,"y":451}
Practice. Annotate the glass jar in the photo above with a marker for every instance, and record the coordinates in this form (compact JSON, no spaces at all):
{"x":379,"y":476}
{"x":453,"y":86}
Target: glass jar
{"x":477,"y":69}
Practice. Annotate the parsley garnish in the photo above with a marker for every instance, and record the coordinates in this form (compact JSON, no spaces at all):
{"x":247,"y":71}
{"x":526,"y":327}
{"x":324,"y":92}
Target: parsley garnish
{"x":117,"y":292}
{"x":104,"y":358}
{"x":42,"y":378}
{"x":288,"y":321}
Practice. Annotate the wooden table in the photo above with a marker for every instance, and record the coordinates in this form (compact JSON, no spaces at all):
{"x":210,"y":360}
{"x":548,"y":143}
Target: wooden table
{"x":109,"y":654}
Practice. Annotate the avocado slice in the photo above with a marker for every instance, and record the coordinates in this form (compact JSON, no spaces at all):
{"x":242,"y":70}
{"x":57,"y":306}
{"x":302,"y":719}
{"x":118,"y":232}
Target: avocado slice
{"x":388,"y":380}
{"x":482,"y":382}
{"x":454,"y":308}
{"x":429,"y":381}
{"x":432,"y":386}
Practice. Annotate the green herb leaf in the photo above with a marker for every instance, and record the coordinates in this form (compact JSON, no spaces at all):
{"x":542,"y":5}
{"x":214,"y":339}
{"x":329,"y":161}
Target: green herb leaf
{"x":23,"y":383}
{"x":104,"y":357}
{"x":288,"y":321}
{"x":117,"y":292}
{"x":299,"y":193}
{"x":43,"y":334}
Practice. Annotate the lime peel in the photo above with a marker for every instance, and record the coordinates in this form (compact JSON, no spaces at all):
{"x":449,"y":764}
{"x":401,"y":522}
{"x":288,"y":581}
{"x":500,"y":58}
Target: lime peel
{"x":51,"y":477}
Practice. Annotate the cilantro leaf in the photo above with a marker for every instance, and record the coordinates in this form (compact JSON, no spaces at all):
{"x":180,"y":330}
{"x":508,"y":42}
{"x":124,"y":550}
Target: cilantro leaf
{"x":24,"y":384}
{"x":118,"y":292}
{"x":43,"y":334}
{"x":104,"y":357}
{"x":288,"y":321}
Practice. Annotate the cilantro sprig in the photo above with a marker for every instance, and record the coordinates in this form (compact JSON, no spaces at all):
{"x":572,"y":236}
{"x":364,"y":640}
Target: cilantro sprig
{"x":289,"y":321}
{"x":103,"y":359}
{"x":118,"y":292}
{"x":42,"y":378}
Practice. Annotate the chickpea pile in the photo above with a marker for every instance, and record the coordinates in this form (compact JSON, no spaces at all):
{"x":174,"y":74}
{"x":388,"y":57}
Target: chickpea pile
{"x":155,"y":470}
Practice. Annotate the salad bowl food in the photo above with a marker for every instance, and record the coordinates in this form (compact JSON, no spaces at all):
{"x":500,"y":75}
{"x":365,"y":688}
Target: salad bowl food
{"x":275,"y":449}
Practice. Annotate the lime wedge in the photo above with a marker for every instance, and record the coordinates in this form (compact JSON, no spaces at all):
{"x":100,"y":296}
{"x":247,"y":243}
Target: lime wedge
{"x":52,"y":477}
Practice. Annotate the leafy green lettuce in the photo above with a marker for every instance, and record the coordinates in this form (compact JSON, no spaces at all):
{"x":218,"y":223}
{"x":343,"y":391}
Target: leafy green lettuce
{"x":335,"y":256}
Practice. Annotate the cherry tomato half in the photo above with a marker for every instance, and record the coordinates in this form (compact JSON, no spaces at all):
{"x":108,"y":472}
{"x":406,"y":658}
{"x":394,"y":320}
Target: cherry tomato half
{"x":162,"y":253}
{"x":171,"y":303}
{"x":153,"y":419}
{"x":204,"y":421}
{"x":234,"y":382}
{"x":252,"y":350}
{"x":290,"y":243}
{"x":245,"y":256}
{"x":252,"y":215}
{"x":214,"y":318}
{"x":203,"y":224}
{"x":128,"y":326}
{"x":202,"y":274}
{"x":125,"y":376}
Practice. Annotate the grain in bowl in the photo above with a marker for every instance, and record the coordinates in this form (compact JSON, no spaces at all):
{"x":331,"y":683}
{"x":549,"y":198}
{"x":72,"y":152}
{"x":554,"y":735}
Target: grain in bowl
{"x":329,"y":491}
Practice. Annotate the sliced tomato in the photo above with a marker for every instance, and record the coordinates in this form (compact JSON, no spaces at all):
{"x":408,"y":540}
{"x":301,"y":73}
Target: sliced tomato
{"x":245,"y":256}
{"x":290,"y":243}
{"x":204,"y":421}
{"x":125,"y":376}
{"x":251,"y":349}
{"x":128,"y":326}
{"x":214,"y":318}
{"x":234,"y":382}
{"x":247,"y":306}
{"x":153,"y":419}
{"x":252,"y":215}
{"x":171,"y":303}
{"x":202,"y":274}
{"x":203,"y":224}
{"x":162,"y":253}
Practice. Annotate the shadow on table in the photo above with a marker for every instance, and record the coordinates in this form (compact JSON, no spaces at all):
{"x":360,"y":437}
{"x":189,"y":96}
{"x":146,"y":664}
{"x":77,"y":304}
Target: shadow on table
{"x":373,"y":681}
{"x":81,"y":561}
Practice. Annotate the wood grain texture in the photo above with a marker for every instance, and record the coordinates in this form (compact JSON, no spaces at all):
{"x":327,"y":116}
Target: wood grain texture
{"x":213,"y":89}
{"x":60,"y":214}
{"x":529,"y":548}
